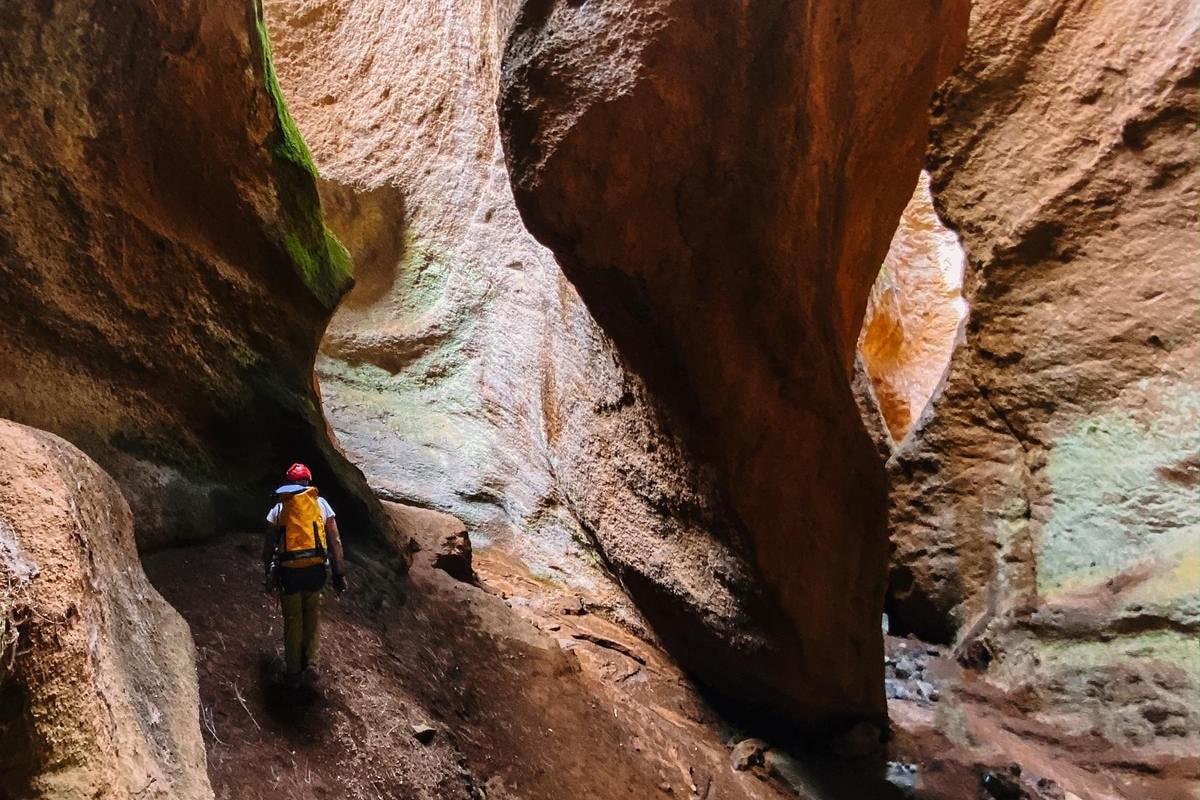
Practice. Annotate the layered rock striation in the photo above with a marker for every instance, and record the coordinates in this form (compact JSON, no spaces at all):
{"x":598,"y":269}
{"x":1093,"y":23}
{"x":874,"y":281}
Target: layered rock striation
{"x":1048,"y":509}
{"x":720,"y":183}
{"x":164,"y":268}
{"x":98,"y":694}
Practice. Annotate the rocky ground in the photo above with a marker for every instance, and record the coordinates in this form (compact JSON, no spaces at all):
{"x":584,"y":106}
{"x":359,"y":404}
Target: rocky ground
{"x":528,"y":693}
{"x":473,"y":677}
{"x":957,"y":733}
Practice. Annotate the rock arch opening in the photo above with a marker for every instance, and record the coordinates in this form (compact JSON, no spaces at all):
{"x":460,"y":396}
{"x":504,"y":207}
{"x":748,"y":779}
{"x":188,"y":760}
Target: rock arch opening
{"x":915,"y":314}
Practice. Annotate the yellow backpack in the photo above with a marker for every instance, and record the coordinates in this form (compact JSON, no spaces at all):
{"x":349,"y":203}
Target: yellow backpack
{"x":302,"y":542}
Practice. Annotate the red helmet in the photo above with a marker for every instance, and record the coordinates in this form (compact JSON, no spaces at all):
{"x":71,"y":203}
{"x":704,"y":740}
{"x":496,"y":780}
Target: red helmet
{"x":298,"y":472}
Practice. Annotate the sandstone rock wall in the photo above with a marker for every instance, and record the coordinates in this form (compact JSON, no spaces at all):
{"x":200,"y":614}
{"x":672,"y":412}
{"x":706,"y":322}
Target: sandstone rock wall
{"x":720,"y":181}
{"x":914,"y":314}
{"x":164,"y":268}
{"x":1050,"y":503}
{"x":463,"y":372}
{"x":98,"y":694}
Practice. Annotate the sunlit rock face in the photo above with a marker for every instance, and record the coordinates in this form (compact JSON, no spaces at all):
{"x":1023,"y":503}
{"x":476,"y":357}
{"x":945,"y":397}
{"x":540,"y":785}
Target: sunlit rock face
{"x":721,"y":181}
{"x":914,"y":313}
{"x":463,"y":372}
{"x":1050,"y":503}
{"x":165,"y":272}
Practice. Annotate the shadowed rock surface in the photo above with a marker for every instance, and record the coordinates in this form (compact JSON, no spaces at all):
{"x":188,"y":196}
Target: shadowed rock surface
{"x":1047,"y":511}
{"x":164,"y":268}
{"x":98,"y":690}
{"x":720,"y":182}
{"x":463,"y":372}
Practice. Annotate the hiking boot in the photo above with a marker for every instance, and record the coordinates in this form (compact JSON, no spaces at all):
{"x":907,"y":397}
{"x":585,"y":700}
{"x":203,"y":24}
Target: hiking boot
{"x":312,"y":674}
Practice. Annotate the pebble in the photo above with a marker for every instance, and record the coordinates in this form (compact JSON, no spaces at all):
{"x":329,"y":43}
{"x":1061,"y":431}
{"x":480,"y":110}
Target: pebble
{"x":423,"y":733}
{"x":747,"y":753}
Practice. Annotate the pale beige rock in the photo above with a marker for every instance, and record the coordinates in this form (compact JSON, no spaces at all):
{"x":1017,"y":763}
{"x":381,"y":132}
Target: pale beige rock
{"x":1051,"y":501}
{"x":98,"y":696}
{"x":721,"y":181}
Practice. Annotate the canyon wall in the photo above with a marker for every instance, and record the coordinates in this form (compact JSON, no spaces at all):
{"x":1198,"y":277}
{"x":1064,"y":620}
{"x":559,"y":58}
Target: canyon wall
{"x":720,"y":182}
{"x":98,"y":692}
{"x":164,"y":268}
{"x":463,"y":372}
{"x":914,"y":314}
{"x":1047,"y":510}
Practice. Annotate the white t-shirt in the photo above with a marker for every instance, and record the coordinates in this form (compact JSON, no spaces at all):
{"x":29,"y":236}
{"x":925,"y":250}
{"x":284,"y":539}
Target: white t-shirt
{"x":277,"y":509}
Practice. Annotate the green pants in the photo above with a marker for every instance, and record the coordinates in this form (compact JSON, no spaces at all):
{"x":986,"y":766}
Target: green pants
{"x":301,"y":629}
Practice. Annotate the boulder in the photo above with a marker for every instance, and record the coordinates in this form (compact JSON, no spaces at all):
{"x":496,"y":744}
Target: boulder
{"x":747,"y":753}
{"x":98,"y":693}
{"x":441,"y":538}
{"x":720,"y":182}
{"x":164,"y":268}
{"x":1047,"y":512}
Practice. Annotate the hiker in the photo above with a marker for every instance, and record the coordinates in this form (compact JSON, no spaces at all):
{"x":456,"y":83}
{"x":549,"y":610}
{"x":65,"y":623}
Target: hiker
{"x":301,"y":540}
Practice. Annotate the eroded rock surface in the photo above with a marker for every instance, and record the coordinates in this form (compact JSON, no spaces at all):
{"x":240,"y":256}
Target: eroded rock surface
{"x":164,"y":268}
{"x":463,"y":371}
{"x":914,"y":314}
{"x":98,"y":694}
{"x":720,"y":182}
{"x":1050,"y":504}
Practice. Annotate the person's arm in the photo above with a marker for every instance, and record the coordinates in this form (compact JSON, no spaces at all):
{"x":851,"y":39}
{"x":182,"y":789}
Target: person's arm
{"x":337,"y":560}
{"x":270,"y":542}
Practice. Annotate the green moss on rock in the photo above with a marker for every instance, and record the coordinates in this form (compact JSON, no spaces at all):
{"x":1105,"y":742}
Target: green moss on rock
{"x":316,"y":254}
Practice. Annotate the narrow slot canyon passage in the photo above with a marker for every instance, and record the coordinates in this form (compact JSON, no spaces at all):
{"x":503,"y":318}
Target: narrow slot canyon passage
{"x":716,"y":401}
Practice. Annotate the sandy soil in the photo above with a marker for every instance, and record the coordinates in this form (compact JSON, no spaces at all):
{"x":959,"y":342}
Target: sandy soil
{"x":575,"y":709}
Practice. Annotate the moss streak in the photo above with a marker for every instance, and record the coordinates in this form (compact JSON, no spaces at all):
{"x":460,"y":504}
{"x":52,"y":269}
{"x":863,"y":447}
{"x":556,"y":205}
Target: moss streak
{"x":316,"y":254}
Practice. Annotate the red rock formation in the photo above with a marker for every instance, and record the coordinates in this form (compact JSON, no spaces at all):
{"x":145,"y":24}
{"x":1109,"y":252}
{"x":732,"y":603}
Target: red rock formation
{"x":97,"y":673}
{"x":164,"y":268}
{"x":464,"y":372}
{"x":914,"y":314}
{"x":1049,"y":504}
{"x":720,"y":182}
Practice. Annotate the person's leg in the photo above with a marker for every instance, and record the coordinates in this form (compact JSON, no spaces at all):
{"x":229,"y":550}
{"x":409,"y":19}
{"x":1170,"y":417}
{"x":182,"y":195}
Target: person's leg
{"x":293,"y":630}
{"x":312,"y":628}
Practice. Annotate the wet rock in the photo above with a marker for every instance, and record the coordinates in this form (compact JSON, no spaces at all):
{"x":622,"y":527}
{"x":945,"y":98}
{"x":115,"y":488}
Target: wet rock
{"x":97,"y":671}
{"x":747,"y":753}
{"x":164,"y":265}
{"x":755,"y":361}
